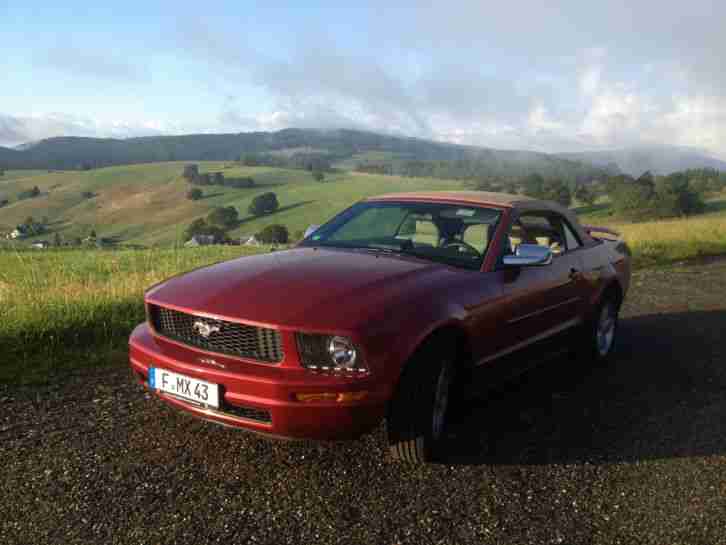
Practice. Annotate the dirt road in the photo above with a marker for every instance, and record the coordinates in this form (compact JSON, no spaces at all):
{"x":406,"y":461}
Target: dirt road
{"x":631,"y":453}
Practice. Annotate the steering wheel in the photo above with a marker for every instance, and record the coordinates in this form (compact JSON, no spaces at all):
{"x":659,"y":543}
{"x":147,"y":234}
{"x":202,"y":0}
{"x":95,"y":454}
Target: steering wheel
{"x":468,"y":248}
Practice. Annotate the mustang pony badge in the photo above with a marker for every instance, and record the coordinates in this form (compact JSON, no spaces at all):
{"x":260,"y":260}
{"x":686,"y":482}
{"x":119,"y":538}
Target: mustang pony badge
{"x":203,"y":329}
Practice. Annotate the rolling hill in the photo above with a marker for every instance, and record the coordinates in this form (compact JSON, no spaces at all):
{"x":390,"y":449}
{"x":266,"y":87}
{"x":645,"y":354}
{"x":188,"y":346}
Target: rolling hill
{"x":146,"y":204}
{"x":348,"y":147}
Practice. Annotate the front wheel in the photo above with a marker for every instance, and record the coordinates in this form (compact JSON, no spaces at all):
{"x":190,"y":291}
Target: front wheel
{"x":417,"y":414}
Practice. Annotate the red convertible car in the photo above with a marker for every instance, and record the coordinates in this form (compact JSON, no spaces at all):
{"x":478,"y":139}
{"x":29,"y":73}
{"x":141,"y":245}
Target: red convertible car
{"x":382,"y":312}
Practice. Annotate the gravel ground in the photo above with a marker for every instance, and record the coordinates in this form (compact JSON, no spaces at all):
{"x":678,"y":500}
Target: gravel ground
{"x":631,"y":453}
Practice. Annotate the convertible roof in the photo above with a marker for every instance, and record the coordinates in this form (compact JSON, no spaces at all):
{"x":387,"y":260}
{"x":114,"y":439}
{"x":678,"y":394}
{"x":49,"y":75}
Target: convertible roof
{"x":473,"y":197}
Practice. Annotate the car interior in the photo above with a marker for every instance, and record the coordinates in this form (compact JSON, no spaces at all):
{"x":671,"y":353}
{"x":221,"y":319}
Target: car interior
{"x":535,"y":229}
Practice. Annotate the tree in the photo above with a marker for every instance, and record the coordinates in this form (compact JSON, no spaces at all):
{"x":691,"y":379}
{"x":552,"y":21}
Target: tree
{"x":92,"y":234}
{"x":195,"y":194}
{"x":273,"y":234}
{"x":555,"y":190}
{"x":533,"y":185}
{"x":674,"y":196}
{"x":201,"y":227}
{"x":584,"y":194}
{"x":218,"y":178}
{"x":318,"y":175}
{"x":197,"y":227}
{"x":190,"y":172}
{"x":2,"y":172}
{"x":57,"y":242}
{"x":226,"y":217}
{"x":266,"y":203}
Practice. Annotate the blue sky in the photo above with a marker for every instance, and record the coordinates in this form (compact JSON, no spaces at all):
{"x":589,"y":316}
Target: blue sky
{"x":555,"y":76}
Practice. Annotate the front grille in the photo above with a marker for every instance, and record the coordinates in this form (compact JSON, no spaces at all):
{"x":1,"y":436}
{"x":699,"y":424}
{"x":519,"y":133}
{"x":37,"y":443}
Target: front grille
{"x":230,"y":338}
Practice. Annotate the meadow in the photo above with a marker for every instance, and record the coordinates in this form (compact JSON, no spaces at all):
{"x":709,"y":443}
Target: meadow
{"x":64,"y":309}
{"x":147,"y":204}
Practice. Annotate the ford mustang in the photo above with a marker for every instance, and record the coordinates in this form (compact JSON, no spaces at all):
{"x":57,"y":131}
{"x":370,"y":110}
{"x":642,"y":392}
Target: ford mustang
{"x":383,"y":312}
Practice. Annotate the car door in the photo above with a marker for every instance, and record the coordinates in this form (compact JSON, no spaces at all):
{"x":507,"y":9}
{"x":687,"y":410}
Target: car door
{"x":540,"y":300}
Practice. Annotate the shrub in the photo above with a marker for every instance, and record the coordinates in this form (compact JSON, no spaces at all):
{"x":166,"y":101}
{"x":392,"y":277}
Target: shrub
{"x":195,"y":194}
{"x":265,"y":203}
{"x":226,"y":217}
{"x":273,"y":234}
{"x":88,"y":194}
{"x":318,"y":175}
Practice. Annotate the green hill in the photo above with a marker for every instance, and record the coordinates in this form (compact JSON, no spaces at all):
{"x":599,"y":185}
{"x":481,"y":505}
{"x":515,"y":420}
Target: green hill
{"x":146,"y":204}
{"x":296,"y":147}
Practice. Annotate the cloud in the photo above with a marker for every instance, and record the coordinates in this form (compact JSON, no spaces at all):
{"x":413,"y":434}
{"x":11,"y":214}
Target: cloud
{"x":496,"y":75}
{"x":16,"y":130}
{"x":96,"y":64}
{"x":534,"y":75}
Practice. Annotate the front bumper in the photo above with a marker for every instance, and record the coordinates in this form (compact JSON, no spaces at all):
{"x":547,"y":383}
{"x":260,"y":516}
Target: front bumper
{"x":261,"y":397}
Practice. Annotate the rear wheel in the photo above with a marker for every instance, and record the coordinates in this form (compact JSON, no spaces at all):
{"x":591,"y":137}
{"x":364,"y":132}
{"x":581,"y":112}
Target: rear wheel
{"x":416,"y":420}
{"x":603,"y":328}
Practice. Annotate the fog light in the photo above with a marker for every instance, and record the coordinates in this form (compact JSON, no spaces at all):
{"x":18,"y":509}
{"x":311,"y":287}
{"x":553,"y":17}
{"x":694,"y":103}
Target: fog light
{"x":342,"y":397}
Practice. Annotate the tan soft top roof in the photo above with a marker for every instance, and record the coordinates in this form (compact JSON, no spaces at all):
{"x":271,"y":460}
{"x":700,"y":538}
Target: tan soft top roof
{"x":473,"y":197}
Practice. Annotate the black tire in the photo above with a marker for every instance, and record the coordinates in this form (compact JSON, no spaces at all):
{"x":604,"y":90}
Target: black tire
{"x":595,"y":347}
{"x":411,"y":432}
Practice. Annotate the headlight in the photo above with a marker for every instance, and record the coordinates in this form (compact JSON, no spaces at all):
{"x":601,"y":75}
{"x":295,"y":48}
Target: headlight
{"x":329,"y":353}
{"x":342,"y":352}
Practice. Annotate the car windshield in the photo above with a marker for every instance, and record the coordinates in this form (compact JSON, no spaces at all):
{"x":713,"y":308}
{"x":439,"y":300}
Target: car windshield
{"x":457,"y":235}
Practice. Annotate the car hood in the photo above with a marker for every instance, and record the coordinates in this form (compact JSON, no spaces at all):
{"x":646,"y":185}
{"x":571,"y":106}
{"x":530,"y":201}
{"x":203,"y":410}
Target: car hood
{"x":308,"y":288}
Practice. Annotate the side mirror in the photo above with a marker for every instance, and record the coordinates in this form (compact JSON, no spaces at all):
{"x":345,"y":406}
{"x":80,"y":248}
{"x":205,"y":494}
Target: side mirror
{"x":529,"y":255}
{"x":310,"y":230}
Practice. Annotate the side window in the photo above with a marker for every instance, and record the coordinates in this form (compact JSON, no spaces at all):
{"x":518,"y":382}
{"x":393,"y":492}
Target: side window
{"x":542,"y":229}
{"x":570,"y":238}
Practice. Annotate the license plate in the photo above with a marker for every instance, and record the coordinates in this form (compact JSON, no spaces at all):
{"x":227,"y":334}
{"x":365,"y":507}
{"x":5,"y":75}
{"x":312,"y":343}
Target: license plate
{"x":191,"y":389}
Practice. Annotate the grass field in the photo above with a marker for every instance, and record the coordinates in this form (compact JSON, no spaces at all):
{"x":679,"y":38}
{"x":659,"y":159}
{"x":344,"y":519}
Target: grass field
{"x":65,"y":309}
{"x":667,"y":241}
{"x":147,"y":204}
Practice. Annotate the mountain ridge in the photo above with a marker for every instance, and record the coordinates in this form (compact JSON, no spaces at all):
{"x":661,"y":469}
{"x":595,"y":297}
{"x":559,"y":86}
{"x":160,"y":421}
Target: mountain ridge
{"x":353,"y":147}
{"x":68,"y":152}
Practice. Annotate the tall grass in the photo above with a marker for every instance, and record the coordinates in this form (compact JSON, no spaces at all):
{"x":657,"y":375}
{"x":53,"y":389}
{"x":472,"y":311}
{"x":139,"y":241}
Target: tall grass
{"x":669,"y":240}
{"x":61,"y":309}
{"x":666,"y":241}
